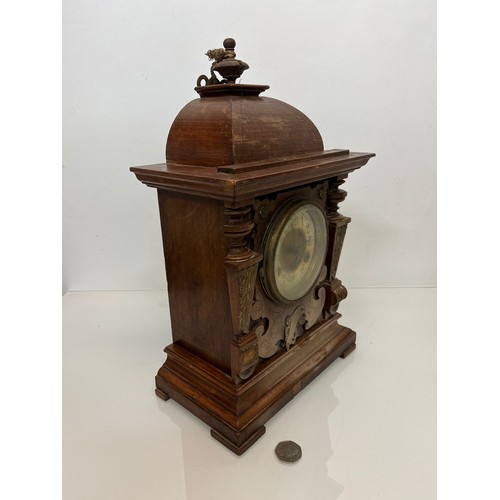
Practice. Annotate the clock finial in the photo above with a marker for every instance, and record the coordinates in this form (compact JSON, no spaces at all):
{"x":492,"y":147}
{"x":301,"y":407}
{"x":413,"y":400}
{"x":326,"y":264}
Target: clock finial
{"x":225,"y":63}
{"x":229,"y":45}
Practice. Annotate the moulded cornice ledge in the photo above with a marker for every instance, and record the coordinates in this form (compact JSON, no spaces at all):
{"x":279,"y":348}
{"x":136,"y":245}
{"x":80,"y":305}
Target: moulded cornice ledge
{"x":233,"y":183}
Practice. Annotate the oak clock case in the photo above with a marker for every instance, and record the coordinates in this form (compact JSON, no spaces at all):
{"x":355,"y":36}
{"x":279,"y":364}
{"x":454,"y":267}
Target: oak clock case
{"x":252,"y":236}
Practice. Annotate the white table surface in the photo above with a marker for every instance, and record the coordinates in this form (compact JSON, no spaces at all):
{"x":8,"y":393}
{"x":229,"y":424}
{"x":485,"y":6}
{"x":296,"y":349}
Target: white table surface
{"x":366,"y":425}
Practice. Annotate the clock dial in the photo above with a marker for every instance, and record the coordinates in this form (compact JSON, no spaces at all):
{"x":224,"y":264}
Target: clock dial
{"x":294,"y":251}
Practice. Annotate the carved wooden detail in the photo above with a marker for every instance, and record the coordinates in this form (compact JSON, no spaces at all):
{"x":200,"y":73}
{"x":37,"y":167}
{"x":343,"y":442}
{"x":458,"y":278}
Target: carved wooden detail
{"x":337,"y":235}
{"x":238,"y":225}
{"x":335,"y":196}
{"x":246,"y":280}
{"x":337,"y":226}
{"x":244,"y":356}
{"x":335,"y":293}
{"x":241,"y":269}
{"x":294,"y":326}
{"x":278,"y":326}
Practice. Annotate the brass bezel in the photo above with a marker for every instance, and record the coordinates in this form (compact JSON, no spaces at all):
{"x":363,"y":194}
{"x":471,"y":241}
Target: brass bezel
{"x":271,"y":237}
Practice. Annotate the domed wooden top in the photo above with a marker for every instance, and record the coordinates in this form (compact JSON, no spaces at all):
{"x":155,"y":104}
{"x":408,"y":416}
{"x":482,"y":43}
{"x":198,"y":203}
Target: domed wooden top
{"x":233,"y":126}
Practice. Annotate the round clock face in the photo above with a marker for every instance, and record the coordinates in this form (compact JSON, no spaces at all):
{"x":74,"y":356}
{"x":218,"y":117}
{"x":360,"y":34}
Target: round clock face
{"x":294,"y":251}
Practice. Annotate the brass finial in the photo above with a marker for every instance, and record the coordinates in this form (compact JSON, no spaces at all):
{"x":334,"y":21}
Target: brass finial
{"x":225,"y":63}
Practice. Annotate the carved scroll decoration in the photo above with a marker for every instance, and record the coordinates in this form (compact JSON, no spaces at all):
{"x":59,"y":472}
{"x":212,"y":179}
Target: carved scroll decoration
{"x":278,"y":326}
{"x":294,"y":326}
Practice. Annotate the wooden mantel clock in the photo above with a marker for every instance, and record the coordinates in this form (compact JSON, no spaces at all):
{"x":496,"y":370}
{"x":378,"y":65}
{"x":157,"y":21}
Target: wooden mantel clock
{"x":252,"y":237}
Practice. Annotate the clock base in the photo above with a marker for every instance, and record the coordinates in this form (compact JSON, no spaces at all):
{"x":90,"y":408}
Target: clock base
{"x":237,"y":412}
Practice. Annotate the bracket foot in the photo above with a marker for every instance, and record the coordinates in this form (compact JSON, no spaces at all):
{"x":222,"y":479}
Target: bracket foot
{"x":162,"y":395}
{"x":348,"y":351}
{"x":239,"y":450}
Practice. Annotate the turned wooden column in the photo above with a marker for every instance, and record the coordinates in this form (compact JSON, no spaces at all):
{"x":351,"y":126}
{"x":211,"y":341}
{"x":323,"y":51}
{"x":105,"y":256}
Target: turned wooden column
{"x":241,"y":268}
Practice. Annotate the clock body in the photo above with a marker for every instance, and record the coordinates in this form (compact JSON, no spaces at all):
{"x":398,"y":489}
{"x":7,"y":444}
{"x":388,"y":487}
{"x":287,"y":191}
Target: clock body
{"x":252,"y":236}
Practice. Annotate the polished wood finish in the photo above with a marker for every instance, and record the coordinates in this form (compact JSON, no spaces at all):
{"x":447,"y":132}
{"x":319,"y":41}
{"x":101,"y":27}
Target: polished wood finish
{"x":233,"y":159}
{"x":239,"y":183}
{"x":239,"y":129}
{"x":195,"y":249}
{"x":238,"y":412}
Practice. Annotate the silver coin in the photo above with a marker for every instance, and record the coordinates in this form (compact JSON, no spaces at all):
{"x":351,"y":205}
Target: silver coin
{"x":288,"y":451}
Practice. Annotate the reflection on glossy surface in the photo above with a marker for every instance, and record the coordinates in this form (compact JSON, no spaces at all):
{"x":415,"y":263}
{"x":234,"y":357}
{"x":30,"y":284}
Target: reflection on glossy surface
{"x":366,"y":425}
{"x":212,"y":471}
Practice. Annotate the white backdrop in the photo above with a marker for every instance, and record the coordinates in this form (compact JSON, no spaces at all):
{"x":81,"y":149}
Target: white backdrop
{"x":363,"y":71}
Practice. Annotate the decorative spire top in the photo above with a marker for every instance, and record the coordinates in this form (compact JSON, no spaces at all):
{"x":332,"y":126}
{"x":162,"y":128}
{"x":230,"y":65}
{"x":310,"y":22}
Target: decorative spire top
{"x":225,"y":63}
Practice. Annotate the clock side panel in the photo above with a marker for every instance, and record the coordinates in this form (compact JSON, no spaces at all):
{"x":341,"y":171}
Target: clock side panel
{"x":195,"y":249}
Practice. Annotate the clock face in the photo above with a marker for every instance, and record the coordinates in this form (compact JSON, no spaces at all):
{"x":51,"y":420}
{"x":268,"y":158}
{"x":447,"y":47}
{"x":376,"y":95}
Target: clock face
{"x":295,"y":248}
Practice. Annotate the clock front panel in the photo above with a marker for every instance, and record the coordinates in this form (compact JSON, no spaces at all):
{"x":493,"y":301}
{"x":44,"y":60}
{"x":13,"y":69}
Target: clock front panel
{"x":292,"y":235}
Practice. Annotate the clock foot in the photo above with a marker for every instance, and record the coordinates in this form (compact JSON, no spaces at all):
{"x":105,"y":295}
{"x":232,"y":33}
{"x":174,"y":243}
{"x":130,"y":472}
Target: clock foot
{"x":348,"y":351}
{"x":162,"y":395}
{"x":239,"y":450}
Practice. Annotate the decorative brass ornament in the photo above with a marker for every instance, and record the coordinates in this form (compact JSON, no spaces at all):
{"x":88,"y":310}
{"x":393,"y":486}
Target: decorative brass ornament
{"x":225,"y":63}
